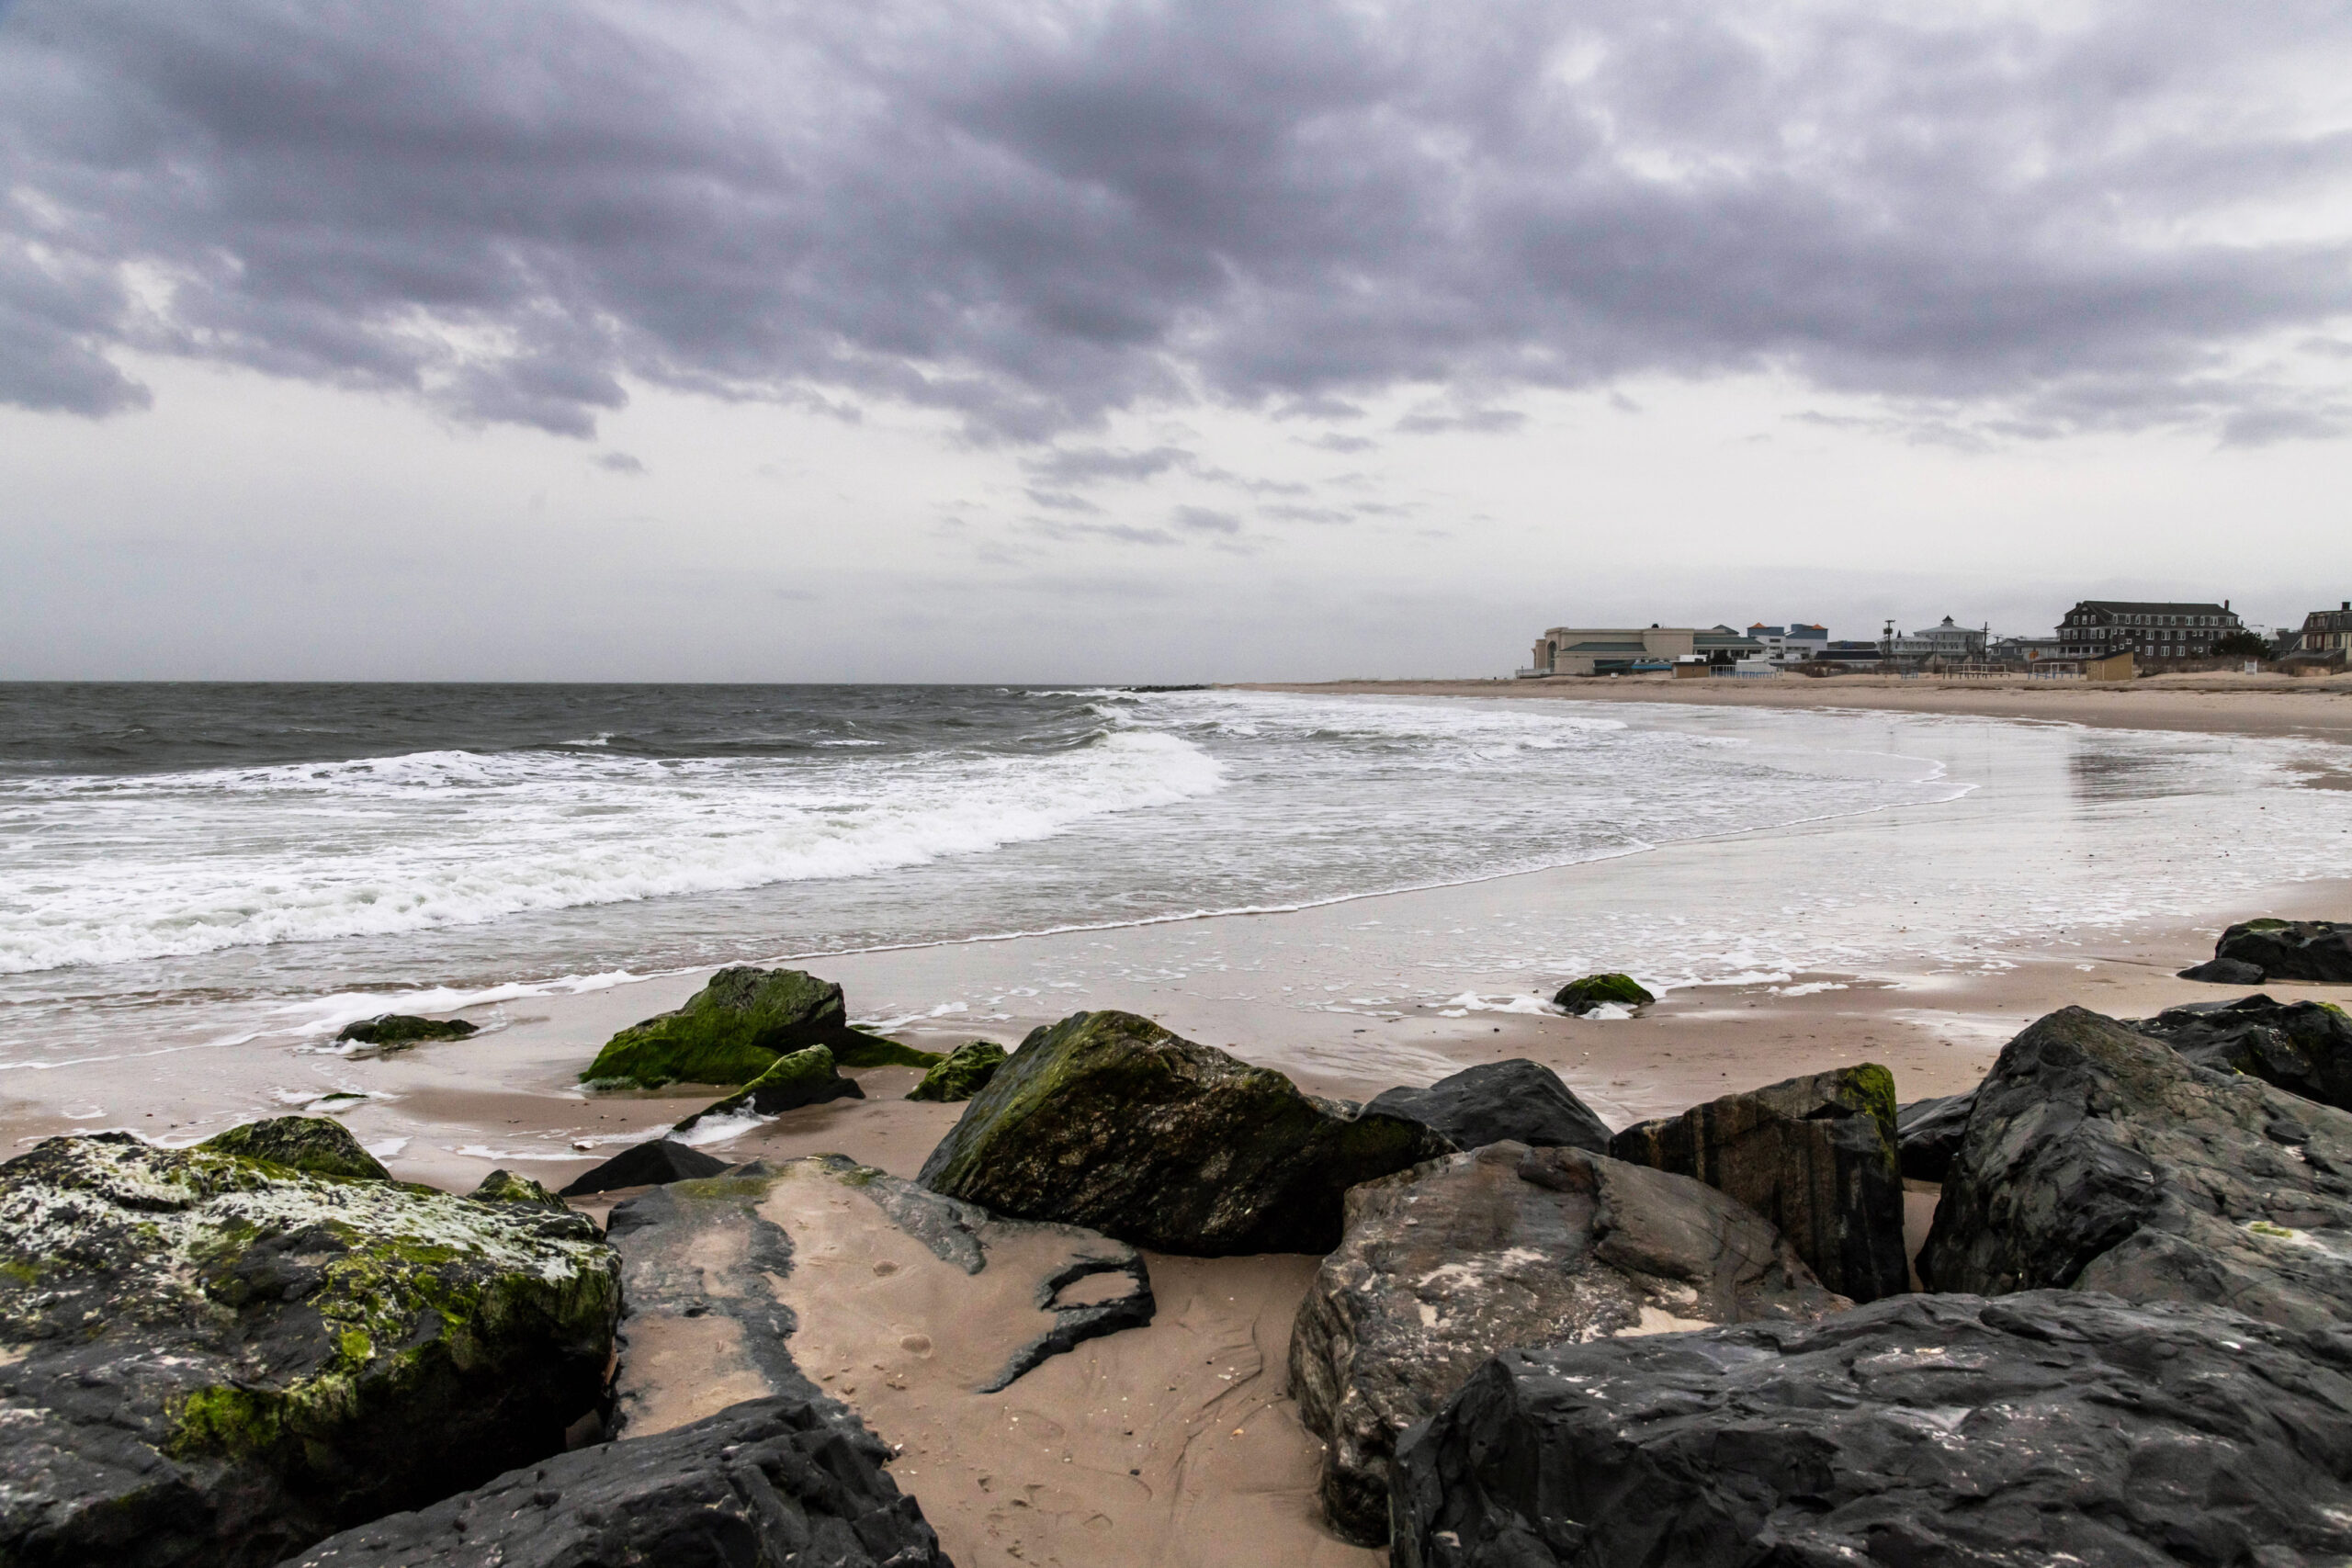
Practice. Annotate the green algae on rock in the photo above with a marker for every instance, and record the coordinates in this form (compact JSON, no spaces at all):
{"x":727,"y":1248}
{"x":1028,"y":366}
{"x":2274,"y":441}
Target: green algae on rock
{"x":729,"y":1032}
{"x":216,"y":1360}
{"x":1106,"y":1120}
{"x":961,"y":1074}
{"x":859,"y":1048}
{"x":399,"y":1031}
{"x":791,"y":1082}
{"x":1581,"y":996}
{"x":312,"y":1144}
{"x":505,"y":1187}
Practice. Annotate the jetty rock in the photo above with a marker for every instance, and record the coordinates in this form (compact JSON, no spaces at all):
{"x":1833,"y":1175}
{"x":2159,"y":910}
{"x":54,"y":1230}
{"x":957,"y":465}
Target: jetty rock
{"x":2304,"y":1048}
{"x":2253,"y":952}
{"x":963,"y":1073}
{"x":2101,"y":1159}
{"x":1814,"y":1155}
{"x":1108,"y":1121}
{"x":398,"y":1031}
{"x":2042,"y":1427}
{"x":732,"y":1031}
{"x":1581,"y":996}
{"x":1926,"y":1133}
{"x":216,"y":1361}
{"x":1516,"y":1100}
{"x":648,"y":1164}
{"x":314,"y":1145}
{"x":1446,"y":1264}
{"x":764,"y":1483}
{"x":791,"y":1082}
{"x":712,"y":1269}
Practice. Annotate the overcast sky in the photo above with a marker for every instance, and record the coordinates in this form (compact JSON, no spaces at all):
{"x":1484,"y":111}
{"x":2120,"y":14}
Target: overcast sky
{"x":879,"y":340}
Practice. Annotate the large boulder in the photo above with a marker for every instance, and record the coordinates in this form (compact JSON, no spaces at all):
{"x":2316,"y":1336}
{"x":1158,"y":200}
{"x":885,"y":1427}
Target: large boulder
{"x":1446,"y":1264}
{"x":216,"y":1361}
{"x":791,"y":1082}
{"x":1597,"y":991}
{"x":648,"y":1164}
{"x":1107,"y":1121}
{"x":1926,"y":1133}
{"x":2038,"y":1429}
{"x":1518,"y":1101}
{"x":312,"y":1144}
{"x":2256,"y":950}
{"x":771,"y":1483}
{"x":2099,"y":1159}
{"x":961,"y":1074}
{"x":1814,"y":1155}
{"x":2304,"y":1048}
{"x":731,"y":1032}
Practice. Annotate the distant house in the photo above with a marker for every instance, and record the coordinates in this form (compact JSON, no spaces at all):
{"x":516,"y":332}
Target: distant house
{"x":1948,"y":641}
{"x":1617,"y":651}
{"x":2025,"y":649}
{"x":1791,"y":643}
{"x":2327,"y":631}
{"x":1851,"y":653}
{"x":2096,"y":628}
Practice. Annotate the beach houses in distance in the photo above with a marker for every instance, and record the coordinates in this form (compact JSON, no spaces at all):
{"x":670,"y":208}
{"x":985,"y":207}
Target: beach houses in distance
{"x":2096,"y":628}
{"x":1611,"y":650}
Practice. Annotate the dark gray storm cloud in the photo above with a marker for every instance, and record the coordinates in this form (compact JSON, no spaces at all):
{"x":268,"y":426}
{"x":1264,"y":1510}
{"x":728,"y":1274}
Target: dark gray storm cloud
{"x":2080,"y":215}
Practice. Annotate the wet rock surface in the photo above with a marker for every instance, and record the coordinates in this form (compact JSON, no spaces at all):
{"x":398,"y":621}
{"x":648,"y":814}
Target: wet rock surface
{"x":216,"y":1361}
{"x":1816,"y":1157}
{"x":1107,"y":1121}
{"x":961,"y":1074}
{"x":2281,"y":950}
{"x":1518,"y":1100}
{"x":791,"y":1082}
{"x":2100,"y":1158}
{"x":731,"y":1032}
{"x":773,"y":1483}
{"x":1953,"y":1431}
{"x":647,"y":1164}
{"x":2304,"y":1048}
{"x":1581,"y":996}
{"x":399,"y":1031}
{"x":314,"y":1145}
{"x":1443,"y":1266}
{"x":1926,"y":1133}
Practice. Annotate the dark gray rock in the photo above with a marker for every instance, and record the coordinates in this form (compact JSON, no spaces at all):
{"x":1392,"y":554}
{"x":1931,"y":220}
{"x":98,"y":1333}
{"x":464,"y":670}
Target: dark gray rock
{"x":1520,"y":1101}
{"x":1926,"y":1133}
{"x":645,"y":1165}
{"x":2100,"y":1158}
{"x":1595,"y":991}
{"x":1447,"y":1264}
{"x":2304,"y":1048}
{"x":1814,"y":1155}
{"x":398,"y":1031}
{"x":2040,"y":1429}
{"x":775,"y":1483}
{"x":799,"y":1078}
{"x":2293,"y":950}
{"x":215,"y":1360}
{"x":1107,"y":1121}
{"x":2224,"y":972}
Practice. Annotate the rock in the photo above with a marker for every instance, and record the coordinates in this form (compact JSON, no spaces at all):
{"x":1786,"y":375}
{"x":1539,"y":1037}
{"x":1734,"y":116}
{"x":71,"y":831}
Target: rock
{"x":802,"y":1078}
{"x":708,"y":1266}
{"x":2099,"y":1159}
{"x":505,"y":1187}
{"x":312,"y":1144}
{"x":1926,"y":1133}
{"x":1581,"y":996}
{"x":1107,"y":1121}
{"x":2224,"y":972}
{"x":857,"y":1048}
{"x":1446,"y":1264}
{"x":1814,"y":1155}
{"x":2289,"y":950}
{"x":729,"y":1032}
{"x":2038,"y":1429}
{"x":399,"y":1031}
{"x":216,"y":1361}
{"x":644,"y":1164}
{"x":2304,"y":1048}
{"x":961,"y":1074}
{"x":1520,"y":1100}
{"x":766,"y":1484}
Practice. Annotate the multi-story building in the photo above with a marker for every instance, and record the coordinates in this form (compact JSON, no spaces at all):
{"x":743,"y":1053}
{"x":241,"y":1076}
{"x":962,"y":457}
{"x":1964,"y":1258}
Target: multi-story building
{"x":1791,"y":643}
{"x":1949,"y":641}
{"x":1615,"y":651}
{"x":2096,"y":628}
{"x":2327,"y":634}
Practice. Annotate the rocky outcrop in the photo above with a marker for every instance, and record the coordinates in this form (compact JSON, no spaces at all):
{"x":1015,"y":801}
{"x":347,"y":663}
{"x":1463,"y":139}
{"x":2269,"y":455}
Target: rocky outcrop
{"x":505,"y":1187}
{"x":312,"y":1144}
{"x":1594,"y":991}
{"x":398,"y":1031}
{"x":1446,"y":1264}
{"x":731,"y":1031}
{"x":645,"y":1165}
{"x":1520,"y":1101}
{"x":2038,"y":1429}
{"x":961,"y":1074}
{"x":1926,"y":1133}
{"x":801,"y":1077}
{"x":2304,"y":1048}
{"x":767,"y":1484}
{"x":2099,"y":1159}
{"x":2258,"y":950}
{"x":216,"y":1361}
{"x":1107,"y":1121}
{"x":708,"y":1266}
{"x":1814,"y":1155}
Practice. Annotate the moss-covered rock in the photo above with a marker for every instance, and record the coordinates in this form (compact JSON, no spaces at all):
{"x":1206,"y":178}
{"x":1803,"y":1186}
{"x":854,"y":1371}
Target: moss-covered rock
{"x":859,"y":1048}
{"x":961,"y":1074}
{"x":1108,"y":1121}
{"x":399,"y":1031}
{"x":1581,"y":996}
{"x":214,"y":1359}
{"x":729,"y":1032}
{"x":312,"y":1144}
{"x":505,"y":1187}
{"x":802,"y":1078}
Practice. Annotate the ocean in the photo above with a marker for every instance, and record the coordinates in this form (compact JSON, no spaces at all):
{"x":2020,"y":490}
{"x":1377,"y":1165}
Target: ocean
{"x":200,"y":864}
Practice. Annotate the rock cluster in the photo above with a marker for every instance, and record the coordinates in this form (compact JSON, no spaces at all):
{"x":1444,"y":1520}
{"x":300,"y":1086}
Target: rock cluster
{"x":2257,"y":950}
{"x":1107,"y":1121}
{"x":1517,"y":1099}
{"x":2304,"y":1048}
{"x":732,"y":1031}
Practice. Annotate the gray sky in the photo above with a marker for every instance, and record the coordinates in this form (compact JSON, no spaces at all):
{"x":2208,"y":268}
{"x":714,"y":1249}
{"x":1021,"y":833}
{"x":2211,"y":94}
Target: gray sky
{"x":475,"y":338}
